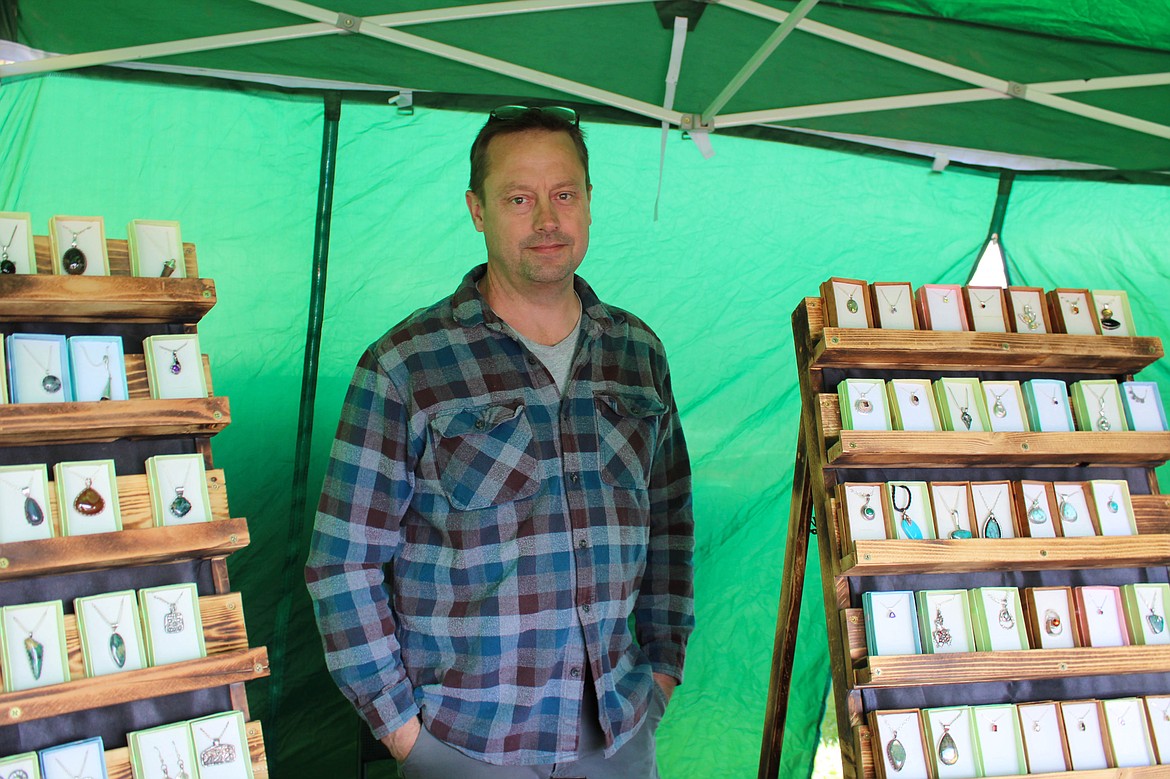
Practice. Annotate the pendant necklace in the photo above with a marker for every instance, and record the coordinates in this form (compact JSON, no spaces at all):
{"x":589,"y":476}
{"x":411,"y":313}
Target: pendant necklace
{"x":1100,"y":605}
{"x":952,"y":509}
{"x":1029,"y":318}
{"x":218,"y":753}
{"x":1074,"y":305}
{"x":1165,"y":712}
{"x":1121,"y":719}
{"x":895,"y":751}
{"x":181,"y":506}
{"x":1155,"y":620}
{"x":1134,"y":396}
{"x":1052,"y":623}
{"x":1113,"y":505}
{"x":909,"y":526}
{"x":33,"y":513}
{"x":911,"y":393}
{"x":117,"y":643}
{"x":892,"y":306}
{"x":998,"y":408}
{"x":1036,"y":722}
{"x":103,"y":362}
{"x":982,"y":301}
{"x":166,"y":771}
{"x":946,"y":298}
{"x":1037,"y":515}
{"x":176,"y":366}
{"x":80,"y":771}
{"x":942,"y":634}
{"x":866,"y":510}
{"x":862,"y":404}
{"x":948,"y":750}
{"x":890,"y":610}
{"x":168,"y":266}
{"x":89,"y":502}
{"x":1107,"y":320}
{"x":19,"y":773}
{"x":1052,"y":395}
{"x":850,"y":304}
{"x":51,"y":383}
{"x":34,"y":650}
{"x":964,"y":413}
{"x":173,"y":621}
{"x":991,"y":528}
{"x":1068,"y":512}
{"x":7,"y":265}
{"x":74,"y":259}
{"x":994,"y":723}
{"x":1102,"y":420}
{"x":1004,"y":617}
{"x":1081,"y":726}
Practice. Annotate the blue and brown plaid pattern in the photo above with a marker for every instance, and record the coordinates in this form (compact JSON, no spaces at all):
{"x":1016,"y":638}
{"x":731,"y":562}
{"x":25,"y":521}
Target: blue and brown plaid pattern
{"x":481,"y":542}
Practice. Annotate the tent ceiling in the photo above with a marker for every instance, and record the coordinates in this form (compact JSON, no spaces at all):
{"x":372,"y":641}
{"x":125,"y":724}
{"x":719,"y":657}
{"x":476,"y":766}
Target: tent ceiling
{"x":1028,"y":79}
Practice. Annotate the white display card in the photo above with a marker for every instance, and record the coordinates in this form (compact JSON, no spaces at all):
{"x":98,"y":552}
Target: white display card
{"x":948,"y":618}
{"x":915,"y":403}
{"x":1077,"y":313}
{"x":1028,"y":305}
{"x":1114,"y":509}
{"x":87,"y":493}
{"x":893,"y":305}
{"x":1053,"y":621}
{"x":1043,"y":733}
{"x":1125,"y":724}
{"x":221,"y":745}
{"x":1143,"y":406}
{"x":1072,"y":507}
{"x":911,"y":504}
{"x":987,"y":309}
{"x":954,"y":723}
{"x":1005,"y":406}
{"x":1151,"y":600}
{"x":1113,"y":312}
{"x":962,"y":403}
{"x":178,"y":483}
{"x":992,"y":502}
{"x":944,"y":307}
{"x":16,"y":242}
{"x":1037,"y":510}
{"x":1051,"y":406}
{"x":997,"y":731}
{"x":893,"y":624}
{"x":78,"y":244}
{"x":952,"y":510}
{"x":1101,"y":616}
{"x":867,"y":400}
{"x":1103,"y":406}
{"x":25,"y":511}
{"x":26,"y":766}
{"x":1005,"y":618}
{"x":1158,"y":711}
{"x":1086,"y":743}
{"x":98,"y":368}
{"x":904,"y":728}
{"x":111,"y":641}
{"x":866,"y":511}
{"x":80,"y":759}
{"x":850,"y":304}
{"x":165,"y":752}
{"x":174,"y":626}
{"x":175,"y":367}
{"x":34,"y":652}
{"x":156,"y":249}
{"x":38,"y":368}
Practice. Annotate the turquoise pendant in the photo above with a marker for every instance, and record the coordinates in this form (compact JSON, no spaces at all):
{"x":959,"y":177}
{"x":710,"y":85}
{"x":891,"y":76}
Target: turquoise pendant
{"x":1068,"y":512}
{"x":118,"y":649}
{"x":910,"y":528}
{"x":1157,"y":624}
{"x":36,"y":656}
{"x":896,"y":753}
{"x":960,"y":533}
{"x":991,"y":527}
{"x":1036,"y":515}
{"x":180,"y":506}
{"x":1113,"y":506}
{"x":32,"y":510}
{"x":967,"y":419}
{"x":948,"y":750}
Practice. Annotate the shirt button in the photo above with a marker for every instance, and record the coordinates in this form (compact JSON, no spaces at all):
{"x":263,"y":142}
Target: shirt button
{"x":582,"y":544}
{"x":573,"y":477}
{"x":575,"y":673}
{"x":585,"y":608}
{"x":479,"y":424}
{"x":531,"y":360}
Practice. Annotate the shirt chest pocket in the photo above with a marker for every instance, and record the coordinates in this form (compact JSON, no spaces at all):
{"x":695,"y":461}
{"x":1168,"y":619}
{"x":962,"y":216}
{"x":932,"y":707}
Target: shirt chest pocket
{"x":627,"y":433}
{"x":485,"y":455}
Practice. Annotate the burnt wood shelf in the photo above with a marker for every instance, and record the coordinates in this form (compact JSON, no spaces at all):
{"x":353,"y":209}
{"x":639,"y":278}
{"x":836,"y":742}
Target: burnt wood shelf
{"x":26,"y":298}
{"x":27,"y":424}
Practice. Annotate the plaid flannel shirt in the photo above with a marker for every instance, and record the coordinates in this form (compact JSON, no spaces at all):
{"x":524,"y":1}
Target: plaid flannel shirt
{"x":519,"y":530}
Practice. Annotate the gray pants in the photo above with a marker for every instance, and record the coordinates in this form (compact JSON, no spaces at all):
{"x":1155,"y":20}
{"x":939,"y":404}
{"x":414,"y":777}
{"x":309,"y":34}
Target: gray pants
{"x":433,"y":759}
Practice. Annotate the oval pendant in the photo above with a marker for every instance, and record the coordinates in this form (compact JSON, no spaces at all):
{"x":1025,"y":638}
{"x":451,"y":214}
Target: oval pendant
{"x":1068,"y":512}
{"x":896,"y":753}
{"x":50,"y":383}
{"x":1113,"y":506}
{"x":991,"y":527}
{"x":867,"y":513}
{"x":960,"y":533}
{"x":1103,"y":424}
{"x":911,"y":529}
{"x":863,"y":406}
{"x":89,"y":501}
{"x":1052,"y":625}
{"x":1037,"y":516}
{"x":1006,"y":620}
{"x":948,"y":750}
{"x":914,"y":401}
{"x":32,"y":510}
{"x":999,"y":409}
{"x":851,"y":304}
{"x":118,"y":649}
{"x":7,"y":266}
{"x":73,"y":260}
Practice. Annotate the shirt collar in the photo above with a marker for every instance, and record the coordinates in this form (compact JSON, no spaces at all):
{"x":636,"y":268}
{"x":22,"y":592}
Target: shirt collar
{"x":470,"y":309}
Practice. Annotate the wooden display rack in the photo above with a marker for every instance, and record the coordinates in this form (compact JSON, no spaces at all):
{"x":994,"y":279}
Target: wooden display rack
{"x":120,"y":299}
{"x":825,"y":456}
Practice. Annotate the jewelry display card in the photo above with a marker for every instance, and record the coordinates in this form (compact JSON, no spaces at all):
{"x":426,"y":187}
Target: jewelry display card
{"x":222,"y":746}
{"x":156,"y":249}
{"x":178,"y":489}
{"x":900,"y":749}
{"x":893,"y":305}
{"x":865,"y":510}
{"x":1143,"y":406}
{"x":1113,"y":312}
{"x":174,"y":367}
{"x":941,"y":307}
{"x":25,"y":512}
{"x":1005,"y":401}
{"x":172,"y":622}
{"x":1048,"y":408}
{"x":1035,"y":506}
{"x":26,"y":766}
{"x":1072,"y":313}
{"x":998,"y":740}
{"x":1043,"y":731}
{"x":846,"y":303}
{"x":1082,"y":721}
{"x":945,"y":619}
{"x":77,"y":760}
{"x":998,"y":619}
{"x":986,"y":309}
{"x":1101,"y":616}
{"x":1128,"y":736}
{"x":164,"y":752}
{"x":912,"y":405}
{"x":951,"y":503}
{"x":960,"y":402}
{"x":33,"y":651}
{"x":4,"y":394}
{"x":38,"y":369}
{"x":78,"y":245}
{"x":111,"y":638}
{"x":891,"y":623}
{"x":952,"y":742}
{"x":1158,"y":711}
{"x":1050,"y":618}
{"x":1074,"y":509}
{"x":17,"y":251}
{"x":87,"y":493}
{"x":1114,"y":509}
{"x":1097,"y":405}
{"x":1145,"y":612}
{"x":863,"y":404}
{"x":1028,"y":310}
{"x":910,"y":516}
{"x":98,"y":368}
{"x":988,"y":498}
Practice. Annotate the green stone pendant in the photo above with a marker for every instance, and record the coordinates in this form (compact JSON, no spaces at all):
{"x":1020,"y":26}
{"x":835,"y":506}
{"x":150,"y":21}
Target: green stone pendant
{"x":180,"y":506}
{"x":1068,"y":512}
{"x":1157,"y":623}
{"x":851,"y":304}
{"x":73,"y":260}
{"x":36,"y":656}
{"x":967,"y":419}
{"x":118,"y":649}
{"x":868,"y":513}
{"x":991,"y":527}
{"x":32,"y":510}
{"x":896,"y":753}
{"x":948,"y":750}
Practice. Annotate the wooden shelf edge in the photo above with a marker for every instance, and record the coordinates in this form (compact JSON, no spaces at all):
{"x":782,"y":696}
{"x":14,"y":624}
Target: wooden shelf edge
{"x":26,"y":424}
{"x":118,"y":760}
{"x":48,"y":298}
{"x":81,"y":694}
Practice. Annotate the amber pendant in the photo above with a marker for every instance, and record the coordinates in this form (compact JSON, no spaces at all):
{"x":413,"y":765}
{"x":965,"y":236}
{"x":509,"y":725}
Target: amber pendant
{"x":33,"y":514}
{"x":89,"y":501}
{"x":863,"y":406}
{"x":1052,"y":623}
{"x":74,"y":262}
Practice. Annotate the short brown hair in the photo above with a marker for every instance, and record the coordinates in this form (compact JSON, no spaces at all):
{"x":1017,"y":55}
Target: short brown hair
{"x":534,"y":118}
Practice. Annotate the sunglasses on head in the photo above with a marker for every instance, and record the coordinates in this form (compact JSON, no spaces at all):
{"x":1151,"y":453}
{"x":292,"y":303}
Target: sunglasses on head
{"x":508,"y":112}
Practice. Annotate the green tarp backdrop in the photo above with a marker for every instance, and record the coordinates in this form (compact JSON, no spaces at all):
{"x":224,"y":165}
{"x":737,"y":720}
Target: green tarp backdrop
{"x":741,"y":239}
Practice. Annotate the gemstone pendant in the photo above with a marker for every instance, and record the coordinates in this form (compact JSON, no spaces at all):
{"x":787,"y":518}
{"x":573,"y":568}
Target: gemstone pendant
{"x":173,"y":620}
{"x":1075,"y":308}
{"x":991,"y":527}
{"x":7,"y":265}
{"x":911,"y":529}
{"x":168,"y":268}
{"x":1103,"y":424}
{"x":852,"y":306}
{"x":1029,"y":317}
{"x":999,"y":409}
{"x":1006,"y":620}
{"x":896,"y":753}
{"x":967,"y":420}
{"x":19,"y":773}
{"x":181,"y":507}
{"x":50,"y":383}
{"x":1157,"y":623}
{"x":1036,"y":515}
{"x":1107,"y":320}
{"x":32,"y":510}
{"x":73,"y":261}
{"x":914,"y":401}
{"x":948,"y":750}
{"x":863,"y":406}
{"x":118,"y":649}
{"x":1052,"y":624}
{"x":176,"y":366}
{"x":106,"y":390}
{"x":1113,"y":506}
{"x":1081,"y":726}
{"x":35,"y":651}
{"x":89,"y":501}
{"x":1068,"y":512}
{"x":942,"y":635}
{"x":960,"y":533}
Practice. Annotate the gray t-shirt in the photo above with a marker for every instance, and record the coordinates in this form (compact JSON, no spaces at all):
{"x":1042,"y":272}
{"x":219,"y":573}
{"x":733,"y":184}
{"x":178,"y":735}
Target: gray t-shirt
{"x":558,"y":358}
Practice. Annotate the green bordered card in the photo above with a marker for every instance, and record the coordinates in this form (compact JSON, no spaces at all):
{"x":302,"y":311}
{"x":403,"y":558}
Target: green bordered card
{"x":173,"y":626}
{"x":25,"y":766}
{"x":998,"y":619}
{"x":998,"y":740}
{"x":165,"y":752}
{"x":221,"y":744}
{"x":944,"y":617}
{"x":33,"y":647}
{"x":178,"y":489}
{"x":25,"y":511}
{"x":110,"y":631}
{"x":87,"y":493}
{"x":174,"y":366}
{"x":951,"y":740}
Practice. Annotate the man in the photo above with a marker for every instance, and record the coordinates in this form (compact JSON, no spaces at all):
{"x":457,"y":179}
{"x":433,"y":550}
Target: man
{"x":513,"y":455}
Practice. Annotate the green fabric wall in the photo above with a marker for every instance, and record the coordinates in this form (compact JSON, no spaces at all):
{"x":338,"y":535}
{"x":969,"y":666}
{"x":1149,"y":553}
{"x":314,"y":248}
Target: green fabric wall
{"x":741,"y":239}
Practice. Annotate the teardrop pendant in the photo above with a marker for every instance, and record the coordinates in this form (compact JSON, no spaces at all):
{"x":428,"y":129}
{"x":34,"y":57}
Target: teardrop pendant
{"x":89,"y":501}
{"x":1156,"y":622}
{"x":35,"y":651}
{"x":999,"y":409}
{"x":948,"y":750}
{"x":33,"y":514}
{"x":896,"y":752}
{"x":967,"y":419}
{"x":1068,"y":512}
{"x":991,"y":528}
{"x":74,"y":262}
{"x":1037,"y":515}
{"x":118,"y":649}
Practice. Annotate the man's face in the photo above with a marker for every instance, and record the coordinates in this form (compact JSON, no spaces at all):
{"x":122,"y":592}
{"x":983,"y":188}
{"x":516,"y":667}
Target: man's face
{"x":535,"y":212}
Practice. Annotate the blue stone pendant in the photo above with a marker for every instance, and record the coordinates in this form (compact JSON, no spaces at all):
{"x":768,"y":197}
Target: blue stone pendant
{"x":1036,"y":515}
{"x":960,"y":533}
{"x":1068,"y":512}
{"x":1156,"y":622}
{"x":1113,"y":506}
{"x":910,"y":528}
{"x":991,"y":527}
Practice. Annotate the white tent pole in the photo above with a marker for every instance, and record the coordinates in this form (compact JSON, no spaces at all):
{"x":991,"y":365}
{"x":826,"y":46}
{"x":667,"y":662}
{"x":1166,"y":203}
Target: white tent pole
{"x":487,"y":10}
{"x":867,"y":105}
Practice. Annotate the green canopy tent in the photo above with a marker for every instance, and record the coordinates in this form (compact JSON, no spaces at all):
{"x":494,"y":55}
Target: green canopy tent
{"x":741,"y":236}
